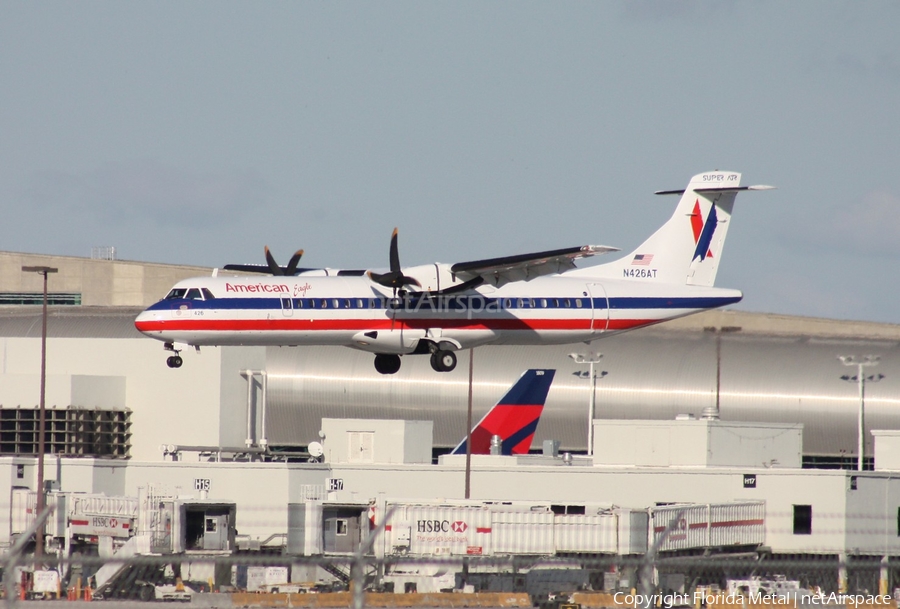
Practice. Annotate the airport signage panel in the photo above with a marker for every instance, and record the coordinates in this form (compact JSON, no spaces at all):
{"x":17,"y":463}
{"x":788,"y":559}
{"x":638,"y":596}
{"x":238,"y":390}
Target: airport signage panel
{"x":110,"y":526}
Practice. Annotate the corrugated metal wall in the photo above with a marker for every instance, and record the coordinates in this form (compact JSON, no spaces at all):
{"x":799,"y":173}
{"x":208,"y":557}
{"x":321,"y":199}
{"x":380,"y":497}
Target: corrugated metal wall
{"x":588,"y":533}
{"x":652,"y":374}
{"x":523,"y":532}
{"x":714,"y":525}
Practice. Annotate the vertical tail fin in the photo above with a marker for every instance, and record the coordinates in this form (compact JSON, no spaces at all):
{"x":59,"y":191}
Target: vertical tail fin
{"x":514,"y":418}
{"x":687,"y":248}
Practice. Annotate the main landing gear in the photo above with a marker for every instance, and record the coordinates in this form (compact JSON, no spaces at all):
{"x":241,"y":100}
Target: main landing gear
{"x":173,"y":361}
{"x":387,"y":364}
{"x":441,"y":361}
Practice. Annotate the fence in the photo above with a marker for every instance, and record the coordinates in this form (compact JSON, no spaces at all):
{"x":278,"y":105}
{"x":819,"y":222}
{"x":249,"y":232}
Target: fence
{"x":660,"y":576}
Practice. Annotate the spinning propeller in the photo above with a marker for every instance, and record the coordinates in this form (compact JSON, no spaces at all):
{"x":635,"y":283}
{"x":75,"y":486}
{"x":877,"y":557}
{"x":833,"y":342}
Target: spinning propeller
{"x":290,"y":269}
{"x":271,"y":267}
{"x":394,"y":279}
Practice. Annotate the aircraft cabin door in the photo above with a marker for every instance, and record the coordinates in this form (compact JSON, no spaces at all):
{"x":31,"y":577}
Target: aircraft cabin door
{"x":599,"y":307}
{"x":287,"y":307}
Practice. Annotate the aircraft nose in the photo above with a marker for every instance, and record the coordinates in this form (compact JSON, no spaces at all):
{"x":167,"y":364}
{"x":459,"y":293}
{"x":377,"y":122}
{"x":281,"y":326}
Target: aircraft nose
{"x":146,"y":322}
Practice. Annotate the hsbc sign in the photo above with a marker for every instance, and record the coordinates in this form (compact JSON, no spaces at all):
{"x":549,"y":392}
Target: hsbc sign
{"x":102,"y":525}
{"x":441,"y":526}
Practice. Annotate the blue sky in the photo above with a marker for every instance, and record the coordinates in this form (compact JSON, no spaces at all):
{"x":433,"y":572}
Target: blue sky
{"x":199,"y":132}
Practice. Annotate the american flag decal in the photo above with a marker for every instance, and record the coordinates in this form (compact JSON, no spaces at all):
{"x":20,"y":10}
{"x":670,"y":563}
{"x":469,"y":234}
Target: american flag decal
{"x":642,"y":259}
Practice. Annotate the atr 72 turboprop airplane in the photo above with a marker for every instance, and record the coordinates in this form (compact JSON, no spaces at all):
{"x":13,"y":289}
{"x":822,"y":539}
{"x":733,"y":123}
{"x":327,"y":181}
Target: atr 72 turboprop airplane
{"x":437,"y":309}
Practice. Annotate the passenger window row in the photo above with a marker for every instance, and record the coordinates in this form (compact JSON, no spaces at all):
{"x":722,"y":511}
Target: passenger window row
{"x":460,"y":303}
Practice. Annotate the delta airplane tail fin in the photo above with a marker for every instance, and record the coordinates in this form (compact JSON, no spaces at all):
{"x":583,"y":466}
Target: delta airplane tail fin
{"x":686,"y":249}
{"x":514,"y":418}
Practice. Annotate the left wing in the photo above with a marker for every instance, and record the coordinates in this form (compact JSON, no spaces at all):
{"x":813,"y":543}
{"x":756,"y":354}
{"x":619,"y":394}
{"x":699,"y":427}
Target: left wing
{"x":526,"y":266}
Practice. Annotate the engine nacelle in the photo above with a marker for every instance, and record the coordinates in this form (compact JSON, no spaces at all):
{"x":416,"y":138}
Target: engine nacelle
{"x":388,"y":341}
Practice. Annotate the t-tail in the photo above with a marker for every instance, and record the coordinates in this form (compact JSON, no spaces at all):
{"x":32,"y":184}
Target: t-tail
{"x":688,"y":248}
{"x":514,"y":418}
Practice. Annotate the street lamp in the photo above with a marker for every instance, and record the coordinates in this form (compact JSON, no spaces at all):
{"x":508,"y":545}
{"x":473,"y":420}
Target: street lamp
{"x":39,"y":534}
{"x":469,"y":426}
{"x":860,"y":379}
{"x":590,"y":359}
{"x":709,"y":413}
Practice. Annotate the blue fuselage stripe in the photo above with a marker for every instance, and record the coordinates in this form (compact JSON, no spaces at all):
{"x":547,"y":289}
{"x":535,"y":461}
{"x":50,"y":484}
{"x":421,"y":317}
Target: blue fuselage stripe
{"x":461,"y":303}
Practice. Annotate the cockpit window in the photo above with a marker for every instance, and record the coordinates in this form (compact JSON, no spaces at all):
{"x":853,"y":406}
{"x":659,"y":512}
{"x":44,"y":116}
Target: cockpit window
{"x":189,"y":294}
{"x":176,"y":294}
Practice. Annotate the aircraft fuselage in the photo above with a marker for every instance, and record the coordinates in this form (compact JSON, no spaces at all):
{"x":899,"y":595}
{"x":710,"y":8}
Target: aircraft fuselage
{"x":350,"y":311}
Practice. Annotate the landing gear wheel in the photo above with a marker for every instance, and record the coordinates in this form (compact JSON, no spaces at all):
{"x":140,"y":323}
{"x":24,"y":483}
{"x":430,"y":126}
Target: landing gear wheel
{"x":387,"y":364}
{"x":174,"y":361}
{"x":443,"y":361}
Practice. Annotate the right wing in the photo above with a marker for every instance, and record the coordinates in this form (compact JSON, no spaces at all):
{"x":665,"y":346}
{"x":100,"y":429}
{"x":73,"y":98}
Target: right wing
{"x":523,"y":267}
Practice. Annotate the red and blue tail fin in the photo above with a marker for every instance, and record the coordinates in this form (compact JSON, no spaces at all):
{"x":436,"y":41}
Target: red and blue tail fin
{"x":514,"y":418}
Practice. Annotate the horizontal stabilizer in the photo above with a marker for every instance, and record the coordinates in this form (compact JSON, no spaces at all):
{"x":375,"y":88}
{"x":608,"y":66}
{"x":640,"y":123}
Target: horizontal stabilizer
{"x":716,"y":189}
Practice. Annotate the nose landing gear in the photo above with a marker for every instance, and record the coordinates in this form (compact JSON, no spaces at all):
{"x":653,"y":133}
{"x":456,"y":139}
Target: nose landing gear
{"x":173,"y":361}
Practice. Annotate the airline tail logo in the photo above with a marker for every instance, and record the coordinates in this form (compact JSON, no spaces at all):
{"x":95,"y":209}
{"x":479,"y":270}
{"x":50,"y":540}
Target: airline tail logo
{"x":703,"y":231}
{"x":514,"y":418}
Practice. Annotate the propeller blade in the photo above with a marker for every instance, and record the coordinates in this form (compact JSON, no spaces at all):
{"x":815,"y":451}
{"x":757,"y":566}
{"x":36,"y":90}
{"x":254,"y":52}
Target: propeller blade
{"x":407,"y":280}
{"x":394,"y":254}
{"x":291,"y":269}
{"x":273,"y":266}
{"x":380,"y":278}
{"x":395,"y":280}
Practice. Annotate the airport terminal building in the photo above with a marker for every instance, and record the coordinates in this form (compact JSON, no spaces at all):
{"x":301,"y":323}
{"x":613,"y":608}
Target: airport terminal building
{"x":769,"y":368}
{"x":233,"y":425}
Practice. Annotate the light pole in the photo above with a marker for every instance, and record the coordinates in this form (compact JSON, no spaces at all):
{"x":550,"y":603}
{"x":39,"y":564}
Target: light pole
{"x":718,"y":331}
{"x":469,"y":426}
{"x":590,"y":359}
{"x":860,"y":379}
{"x":39,"y":534}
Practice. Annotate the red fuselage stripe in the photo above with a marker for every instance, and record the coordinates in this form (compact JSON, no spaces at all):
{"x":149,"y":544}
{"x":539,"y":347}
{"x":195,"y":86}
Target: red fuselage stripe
{"x":250,"y":325}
